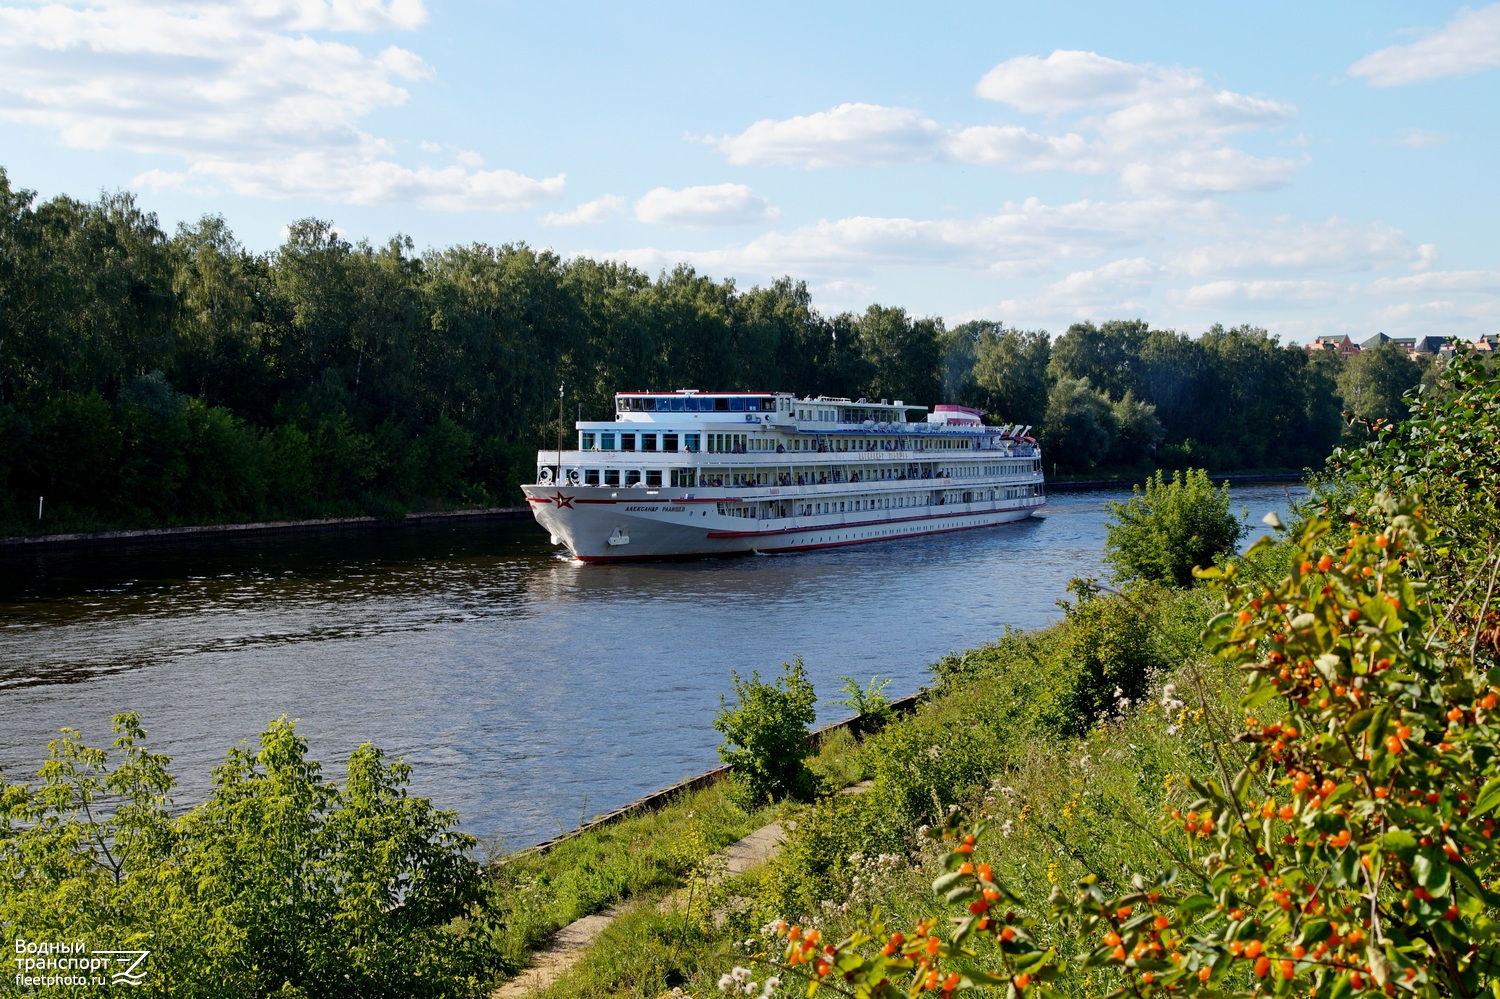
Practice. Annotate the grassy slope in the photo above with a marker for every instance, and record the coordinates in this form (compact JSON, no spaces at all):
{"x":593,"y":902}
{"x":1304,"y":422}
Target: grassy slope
{"x":1064,"y":801}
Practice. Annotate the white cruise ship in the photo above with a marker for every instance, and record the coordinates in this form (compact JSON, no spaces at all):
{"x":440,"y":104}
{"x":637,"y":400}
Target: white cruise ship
{"x":688,"y":473}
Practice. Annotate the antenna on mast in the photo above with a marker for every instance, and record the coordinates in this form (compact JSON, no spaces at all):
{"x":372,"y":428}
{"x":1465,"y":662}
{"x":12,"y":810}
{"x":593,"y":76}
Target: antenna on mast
{"x":560,"y":386}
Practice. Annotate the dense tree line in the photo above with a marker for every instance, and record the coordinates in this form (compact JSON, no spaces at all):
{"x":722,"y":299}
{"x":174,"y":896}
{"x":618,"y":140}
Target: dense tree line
{"x":148,"y":378}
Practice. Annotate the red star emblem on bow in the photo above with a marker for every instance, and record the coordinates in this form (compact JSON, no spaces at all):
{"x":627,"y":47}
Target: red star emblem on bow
{"x":563,"y":501}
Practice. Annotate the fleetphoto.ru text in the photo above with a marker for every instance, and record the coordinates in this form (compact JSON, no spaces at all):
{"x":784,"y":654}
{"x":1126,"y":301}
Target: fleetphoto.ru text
{"x":48,"y":964}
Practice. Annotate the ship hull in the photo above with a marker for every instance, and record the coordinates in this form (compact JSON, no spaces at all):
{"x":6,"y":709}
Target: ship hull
{"x":604,"y":524}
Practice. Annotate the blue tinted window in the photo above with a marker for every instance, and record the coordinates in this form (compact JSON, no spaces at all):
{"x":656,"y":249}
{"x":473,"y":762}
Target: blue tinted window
{"x":736,"y":405}
{"x":677,"y":405}
{"x":752,"y":405}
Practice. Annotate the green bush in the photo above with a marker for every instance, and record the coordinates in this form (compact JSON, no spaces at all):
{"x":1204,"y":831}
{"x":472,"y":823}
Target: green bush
{"x":872,"y":709}
{"x":1107,"y":659}
{"x":1161,"y":534}
{"x":280,"y":881}
{"x":766,"y":735}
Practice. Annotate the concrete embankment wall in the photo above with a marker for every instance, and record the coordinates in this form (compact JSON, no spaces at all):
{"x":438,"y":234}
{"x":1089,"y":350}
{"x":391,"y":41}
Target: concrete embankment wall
{"x":278,"y":527}
{"x":1099,"y":485}
{"x":901,"y":705}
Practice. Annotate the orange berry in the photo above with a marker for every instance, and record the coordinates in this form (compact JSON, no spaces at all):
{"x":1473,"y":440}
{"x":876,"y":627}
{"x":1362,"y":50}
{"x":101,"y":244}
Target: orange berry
{"x":951,"y":982}
{"x":1161,"y":922}
{"x":1381,"y":541}
{"x":1204,"y":973}
{"x":1022,"y":980}
{"x":1262,"y":966}
{"x":1253,"y":948}
{"x":1288,"y":969}
{"x":1325,"y":563}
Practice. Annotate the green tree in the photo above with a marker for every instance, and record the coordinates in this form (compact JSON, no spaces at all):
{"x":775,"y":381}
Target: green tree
{"x":904,"y":354}
{"x":1080,"y":426}
{"x":1010,"y":373}
{"x":1160,"y":534}
{"x":766,"y":735}
{"x":1138,"y":431}
{"x":1373,"y":382}
{"x":281,"y":882}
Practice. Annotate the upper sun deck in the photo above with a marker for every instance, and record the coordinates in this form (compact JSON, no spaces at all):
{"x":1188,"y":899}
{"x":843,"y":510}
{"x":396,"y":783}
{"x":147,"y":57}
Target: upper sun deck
{"x":773,"y":408}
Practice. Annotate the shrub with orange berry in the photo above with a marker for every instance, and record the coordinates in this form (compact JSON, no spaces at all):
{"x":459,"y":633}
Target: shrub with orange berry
{"x":1347,"y":843}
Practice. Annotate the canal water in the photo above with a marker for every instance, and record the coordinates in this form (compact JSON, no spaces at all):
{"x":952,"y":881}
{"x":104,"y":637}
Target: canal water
{"x":526,"y":690}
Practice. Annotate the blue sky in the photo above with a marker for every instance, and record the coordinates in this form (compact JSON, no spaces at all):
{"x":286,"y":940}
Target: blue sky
{"x":1317,"y":169}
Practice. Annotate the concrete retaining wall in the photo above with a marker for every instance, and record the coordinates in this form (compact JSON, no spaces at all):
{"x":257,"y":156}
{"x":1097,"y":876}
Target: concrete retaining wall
{"x":901,"y":705}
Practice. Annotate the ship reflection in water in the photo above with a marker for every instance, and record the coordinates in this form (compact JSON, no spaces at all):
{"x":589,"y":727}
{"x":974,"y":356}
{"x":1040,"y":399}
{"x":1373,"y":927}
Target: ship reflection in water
{"x":518,"y":683}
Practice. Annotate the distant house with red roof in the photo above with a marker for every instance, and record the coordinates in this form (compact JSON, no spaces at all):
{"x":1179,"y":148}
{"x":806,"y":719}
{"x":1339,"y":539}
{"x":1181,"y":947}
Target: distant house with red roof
{"x":1343,"y":347}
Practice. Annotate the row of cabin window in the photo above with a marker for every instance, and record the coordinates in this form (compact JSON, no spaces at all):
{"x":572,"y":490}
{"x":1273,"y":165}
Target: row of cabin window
{"x":679,"y":478}
{"x":589,"y":440}
{"x":608,"y":440}
{"x":688,"y":477}
{"x":698,"y":404}
{"x":774,"y":509}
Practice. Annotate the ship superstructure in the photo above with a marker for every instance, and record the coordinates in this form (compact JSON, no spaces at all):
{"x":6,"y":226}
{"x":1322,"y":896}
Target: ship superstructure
{"x":689,"y":473}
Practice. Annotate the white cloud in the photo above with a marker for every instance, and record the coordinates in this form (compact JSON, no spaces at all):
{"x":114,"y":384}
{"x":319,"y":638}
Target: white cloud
{"x":1284,"y":293}
{"x":1420,"y":138}
{"x":1161,"y":129}
{"x":1477,"y":282}
{"x":1006,"y":244}
{"x":1420,"y":317}
{"x":847,"y":135}
{"x":356,"y":180}
{"x":703,"y":207}
{"x":1292,"y":245}
{"x":1208,"y":170}
{"x":1012,"y":145}
{"x":1467,"y":44}
{"x":1071,"y":80}
{"x":239,"y":91}
{"x":589,"y":213}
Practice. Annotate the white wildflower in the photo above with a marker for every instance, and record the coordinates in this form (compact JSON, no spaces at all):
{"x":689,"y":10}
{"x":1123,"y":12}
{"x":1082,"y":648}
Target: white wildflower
{"x":1008,"y":828}
{"x":933,"y":752}
{"x":772,"y":984}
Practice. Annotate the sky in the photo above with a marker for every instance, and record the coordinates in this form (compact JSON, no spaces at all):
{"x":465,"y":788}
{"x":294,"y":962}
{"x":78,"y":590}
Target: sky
{"x":1318,"y":169}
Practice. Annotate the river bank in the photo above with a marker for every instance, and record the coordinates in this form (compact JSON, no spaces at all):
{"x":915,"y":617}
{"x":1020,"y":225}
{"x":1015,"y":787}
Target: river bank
{"x":204,"y":532}
{"x":200,"y":532}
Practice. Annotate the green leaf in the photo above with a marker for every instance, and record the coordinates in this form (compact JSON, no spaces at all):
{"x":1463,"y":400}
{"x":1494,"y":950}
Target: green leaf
{"x":1400,"y":842}
{"x":1489,"y":798}
{"x":1194,"y":903}
{"x":1430,"y":867}
{"x":1359,"y":721}
{"x":947,"y":881}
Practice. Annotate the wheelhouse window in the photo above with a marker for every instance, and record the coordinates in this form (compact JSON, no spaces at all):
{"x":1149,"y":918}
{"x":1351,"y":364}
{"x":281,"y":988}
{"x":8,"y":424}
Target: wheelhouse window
{"x":648,"y":442}
{"x":611,"y":476}
{"x":669,"y":442}
{"x":653,"y":477}
{"x":736,"y":405}
{"x":591,"y":476}
{"x":627,"y":442}
{"x":586,"y":441}
{"x":607,"y":441}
